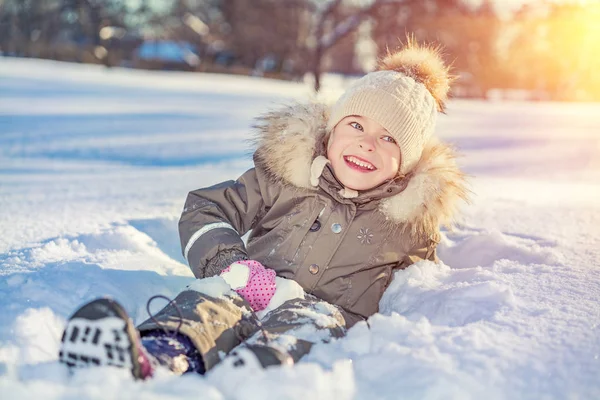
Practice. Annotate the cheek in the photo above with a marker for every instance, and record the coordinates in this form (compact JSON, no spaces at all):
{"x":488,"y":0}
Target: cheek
{"x":393,"y":161}
{"x":334,"y":149}
{"x":396,"y":159}
{"x":330,"y":152}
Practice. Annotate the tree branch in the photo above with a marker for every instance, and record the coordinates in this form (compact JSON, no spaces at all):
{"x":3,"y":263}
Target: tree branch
{"x":352,"y":22}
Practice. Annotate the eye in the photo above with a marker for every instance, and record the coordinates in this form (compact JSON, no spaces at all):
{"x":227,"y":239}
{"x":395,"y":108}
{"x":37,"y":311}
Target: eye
{"x":389,"y":139}
{"x":358,"y":126}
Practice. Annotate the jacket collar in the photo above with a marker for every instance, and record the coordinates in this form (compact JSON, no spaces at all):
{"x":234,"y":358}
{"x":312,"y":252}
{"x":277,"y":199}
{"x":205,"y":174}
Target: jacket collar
{"x":288,"y":140}
{"x":367,"y":199}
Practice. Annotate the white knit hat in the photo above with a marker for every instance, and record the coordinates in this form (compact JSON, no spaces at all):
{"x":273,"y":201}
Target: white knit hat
{"x":404,"y":96}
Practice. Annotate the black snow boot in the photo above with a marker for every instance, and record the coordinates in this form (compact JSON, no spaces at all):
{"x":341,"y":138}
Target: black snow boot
{"x":101,"y":333}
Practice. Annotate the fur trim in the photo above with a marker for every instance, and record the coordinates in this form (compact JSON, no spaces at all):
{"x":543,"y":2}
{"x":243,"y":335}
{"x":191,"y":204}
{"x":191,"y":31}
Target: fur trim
{"x":435,"y":188}
{"x":290,"y":139}
{"x":425,"y":65}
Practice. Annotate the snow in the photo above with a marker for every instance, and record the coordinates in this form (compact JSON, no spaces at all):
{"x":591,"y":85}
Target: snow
{"x":236,"y":277}
{"x":287,"y":289}
{"x":95,"y":165}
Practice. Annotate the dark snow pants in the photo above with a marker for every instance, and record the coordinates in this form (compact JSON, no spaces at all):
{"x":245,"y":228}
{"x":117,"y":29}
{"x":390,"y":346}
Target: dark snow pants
{"x":217,"y":325}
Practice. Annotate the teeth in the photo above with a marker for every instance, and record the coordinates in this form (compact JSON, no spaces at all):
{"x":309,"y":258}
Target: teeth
{"x":360,"y":163}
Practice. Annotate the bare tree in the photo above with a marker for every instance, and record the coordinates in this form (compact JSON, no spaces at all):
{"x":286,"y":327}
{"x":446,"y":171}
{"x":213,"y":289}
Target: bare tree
{"x":325,"y":39}
{"x":25,"y":24}
{"x":261,"y":28}
{"x":467,"y":33}
{"x":329,"y":29}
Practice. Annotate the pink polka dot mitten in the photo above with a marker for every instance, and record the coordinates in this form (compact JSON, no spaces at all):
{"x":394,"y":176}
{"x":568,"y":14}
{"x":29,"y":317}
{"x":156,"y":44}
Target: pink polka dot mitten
{"x":251,"y":280}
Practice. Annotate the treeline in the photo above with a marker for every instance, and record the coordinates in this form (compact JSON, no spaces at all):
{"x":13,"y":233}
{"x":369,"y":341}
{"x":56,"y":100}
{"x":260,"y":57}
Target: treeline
{"x":545,"y":49}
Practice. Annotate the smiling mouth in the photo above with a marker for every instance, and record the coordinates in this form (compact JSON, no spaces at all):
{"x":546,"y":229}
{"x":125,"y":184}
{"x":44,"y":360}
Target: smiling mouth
{"x":359,"y":164}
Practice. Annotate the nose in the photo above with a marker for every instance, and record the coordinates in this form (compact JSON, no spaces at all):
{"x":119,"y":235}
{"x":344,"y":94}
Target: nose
{"x":367,"y":143}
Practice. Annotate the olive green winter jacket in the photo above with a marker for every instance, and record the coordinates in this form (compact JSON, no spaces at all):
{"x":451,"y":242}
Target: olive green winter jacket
{"x":339,"y":245}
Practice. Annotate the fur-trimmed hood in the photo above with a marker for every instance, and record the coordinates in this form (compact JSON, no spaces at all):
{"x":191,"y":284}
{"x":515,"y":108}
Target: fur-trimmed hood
{"x":289,"y":140}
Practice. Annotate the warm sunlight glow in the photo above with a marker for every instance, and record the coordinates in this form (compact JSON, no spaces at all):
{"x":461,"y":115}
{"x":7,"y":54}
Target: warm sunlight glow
{"x":567,"y":43}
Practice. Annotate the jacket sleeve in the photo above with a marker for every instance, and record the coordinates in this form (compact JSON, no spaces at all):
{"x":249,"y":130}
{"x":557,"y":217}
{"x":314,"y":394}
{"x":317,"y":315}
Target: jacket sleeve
{"x":350,"y":318}
{"x":422,"y":251}
{"x":215,"y":218}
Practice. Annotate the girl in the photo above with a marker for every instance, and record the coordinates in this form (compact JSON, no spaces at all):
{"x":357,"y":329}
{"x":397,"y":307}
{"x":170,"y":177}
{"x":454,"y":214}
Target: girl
{"x":340,"y":197}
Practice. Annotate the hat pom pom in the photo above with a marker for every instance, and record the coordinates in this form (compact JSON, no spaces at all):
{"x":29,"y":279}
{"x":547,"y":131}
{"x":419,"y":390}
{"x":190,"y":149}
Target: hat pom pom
{"x":424,"y":64}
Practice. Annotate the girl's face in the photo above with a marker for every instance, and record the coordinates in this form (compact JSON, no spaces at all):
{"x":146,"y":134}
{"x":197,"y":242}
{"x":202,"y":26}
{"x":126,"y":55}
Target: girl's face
{"x":362,"y":153}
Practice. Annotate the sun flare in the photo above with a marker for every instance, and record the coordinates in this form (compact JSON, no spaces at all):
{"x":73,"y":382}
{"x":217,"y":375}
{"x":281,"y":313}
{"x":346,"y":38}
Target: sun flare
{"x":571,"y":36}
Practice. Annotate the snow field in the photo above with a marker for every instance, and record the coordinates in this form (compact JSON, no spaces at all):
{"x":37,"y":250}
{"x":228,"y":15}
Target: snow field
{"x":95,"y":165}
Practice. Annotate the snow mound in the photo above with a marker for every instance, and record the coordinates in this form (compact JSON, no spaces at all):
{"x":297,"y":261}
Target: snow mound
{"x":57,"y":250}
{"x":472,"y":249}
{"x":399,"y":358}
{"x":38,"y":332}
{"x":116,"y":247}
{"x":446,"y":296}
{"x":300,"y":382}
